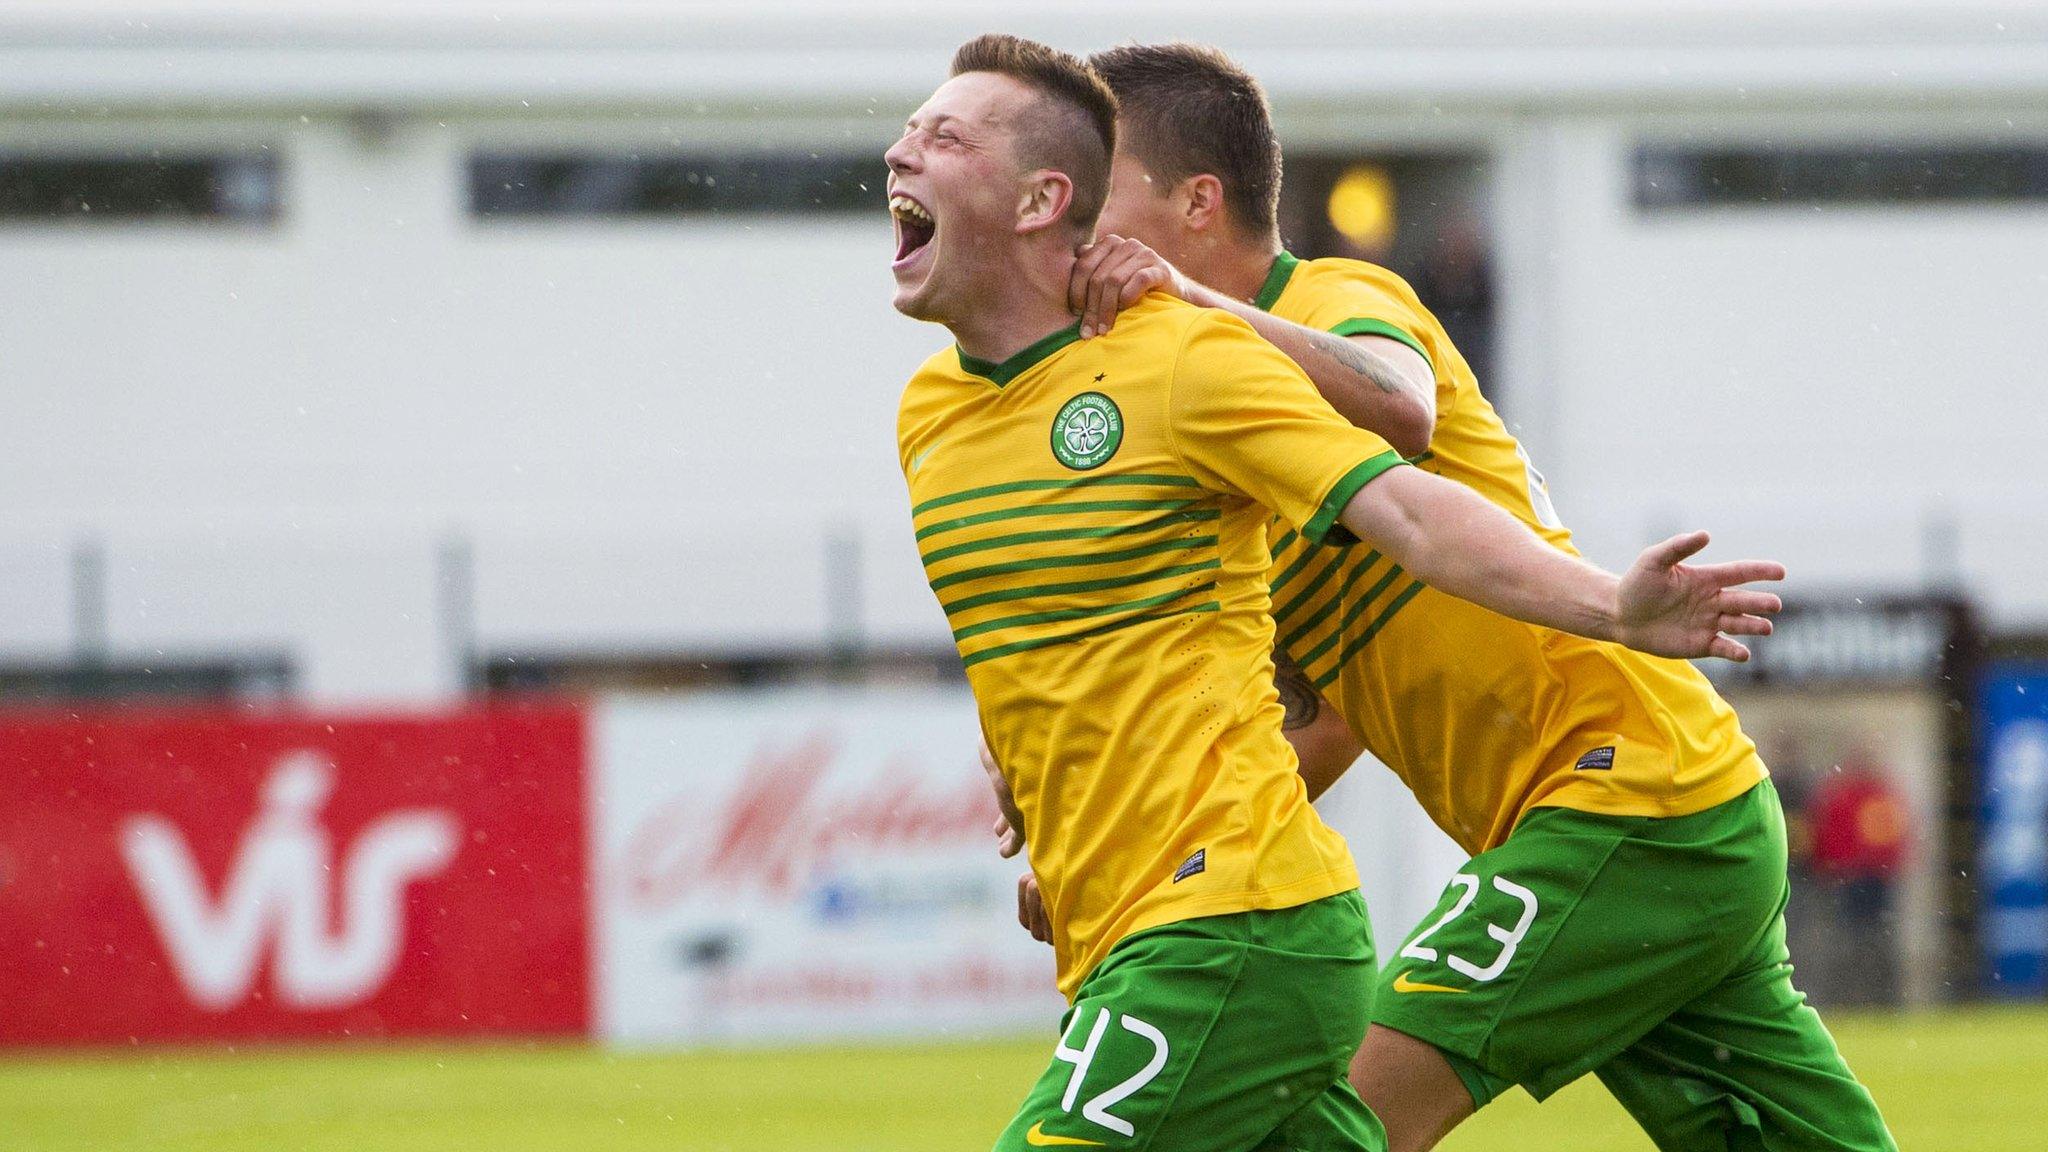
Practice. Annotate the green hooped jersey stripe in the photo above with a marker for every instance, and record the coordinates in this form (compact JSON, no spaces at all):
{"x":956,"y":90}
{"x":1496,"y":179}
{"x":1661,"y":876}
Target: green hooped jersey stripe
{"x":1323,"y":592}
{"x":1111,"y":571}
{"x":1331,"y":600}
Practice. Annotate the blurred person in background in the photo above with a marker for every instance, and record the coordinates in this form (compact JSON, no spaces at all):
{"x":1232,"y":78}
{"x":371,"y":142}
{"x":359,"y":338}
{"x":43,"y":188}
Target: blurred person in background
{"x":1862,"y":832}
{"x":1623,"y":912}
{"x":1457,"y":281}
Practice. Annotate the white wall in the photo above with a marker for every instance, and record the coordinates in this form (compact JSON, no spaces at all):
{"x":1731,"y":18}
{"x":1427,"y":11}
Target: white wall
{"x":648,"y":430}
{"x":659,"y":435}
{"x":1833,"y":386}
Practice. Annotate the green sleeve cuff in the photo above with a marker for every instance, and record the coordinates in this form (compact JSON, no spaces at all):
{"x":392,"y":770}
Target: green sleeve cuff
{"x":1364,"y":326}
{"x":1323,"y":527}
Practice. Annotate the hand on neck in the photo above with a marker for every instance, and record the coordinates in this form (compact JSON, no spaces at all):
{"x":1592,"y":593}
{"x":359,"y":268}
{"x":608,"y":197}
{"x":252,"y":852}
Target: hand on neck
{"x":1230,"y":262}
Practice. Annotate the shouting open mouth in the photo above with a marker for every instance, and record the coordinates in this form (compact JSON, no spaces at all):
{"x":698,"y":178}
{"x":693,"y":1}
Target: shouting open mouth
{"x":915,"y":227}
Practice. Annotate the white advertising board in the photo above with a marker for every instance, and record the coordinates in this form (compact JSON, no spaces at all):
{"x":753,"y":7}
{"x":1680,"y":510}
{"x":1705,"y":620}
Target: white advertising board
{"x":802,"y":865}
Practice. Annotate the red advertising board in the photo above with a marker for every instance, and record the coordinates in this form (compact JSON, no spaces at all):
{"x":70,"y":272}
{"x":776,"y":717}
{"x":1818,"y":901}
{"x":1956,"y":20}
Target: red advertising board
{"x":223,"y":874}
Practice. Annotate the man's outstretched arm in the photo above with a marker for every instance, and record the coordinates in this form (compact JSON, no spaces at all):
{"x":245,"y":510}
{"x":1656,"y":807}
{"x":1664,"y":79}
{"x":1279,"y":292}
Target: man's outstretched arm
{"x":1456,"y":541}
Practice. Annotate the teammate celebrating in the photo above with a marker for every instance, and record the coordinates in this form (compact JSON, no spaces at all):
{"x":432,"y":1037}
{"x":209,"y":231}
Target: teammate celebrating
{"x":1090,"y":516}
{"x":1622,"y":912}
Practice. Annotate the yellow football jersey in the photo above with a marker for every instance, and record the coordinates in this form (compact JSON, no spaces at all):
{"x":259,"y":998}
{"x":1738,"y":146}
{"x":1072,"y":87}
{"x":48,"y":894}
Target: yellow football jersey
{"x":1482,"y":716}
{"x":1092,"y":517}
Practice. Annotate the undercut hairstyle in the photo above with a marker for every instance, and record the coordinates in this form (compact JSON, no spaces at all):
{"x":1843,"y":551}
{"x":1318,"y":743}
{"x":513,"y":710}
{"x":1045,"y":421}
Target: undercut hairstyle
{"x":1071,"y":128}
{"x":1189,"y":110}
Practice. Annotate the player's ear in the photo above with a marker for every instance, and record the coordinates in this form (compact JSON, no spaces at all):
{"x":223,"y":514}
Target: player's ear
{"x":1046,"y":197}
{"x":1201,"y":201}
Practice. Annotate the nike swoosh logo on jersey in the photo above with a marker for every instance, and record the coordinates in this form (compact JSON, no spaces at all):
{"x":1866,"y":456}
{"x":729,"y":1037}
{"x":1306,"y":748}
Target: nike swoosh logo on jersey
{"x":1403,"y":984}
{"x":917,"y":458}
{"x":1038,"y":1139}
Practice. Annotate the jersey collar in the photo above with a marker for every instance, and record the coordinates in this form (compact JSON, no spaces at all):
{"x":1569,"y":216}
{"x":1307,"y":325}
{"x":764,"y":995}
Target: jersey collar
{"x":1015,"y":366}
{"x":1276,"y":281}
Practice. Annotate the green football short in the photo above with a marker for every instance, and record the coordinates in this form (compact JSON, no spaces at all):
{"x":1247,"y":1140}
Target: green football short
{"x":1221,"y":1034}
{"x":1650,"y":951}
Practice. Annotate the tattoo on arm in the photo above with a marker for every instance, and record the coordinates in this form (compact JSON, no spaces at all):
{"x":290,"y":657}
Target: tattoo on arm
{"x":1351,"y":356}
{"x":1297,"y":694}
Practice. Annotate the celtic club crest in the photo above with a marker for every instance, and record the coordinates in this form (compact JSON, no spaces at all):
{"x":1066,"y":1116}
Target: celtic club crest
{"x":1087,"y":432}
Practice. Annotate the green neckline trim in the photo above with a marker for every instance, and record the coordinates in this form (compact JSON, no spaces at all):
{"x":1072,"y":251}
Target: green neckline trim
{"x":1276,"y":281}
{"x":1022,"y":362}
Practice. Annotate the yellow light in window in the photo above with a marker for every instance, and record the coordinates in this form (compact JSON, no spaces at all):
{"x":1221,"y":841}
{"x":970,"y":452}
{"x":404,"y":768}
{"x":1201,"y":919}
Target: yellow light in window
{"x":1362,"y":205}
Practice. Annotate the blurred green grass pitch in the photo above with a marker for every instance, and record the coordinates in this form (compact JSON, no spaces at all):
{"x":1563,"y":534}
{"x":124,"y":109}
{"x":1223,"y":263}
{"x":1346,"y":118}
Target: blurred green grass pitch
{"x":1964,"y":1081}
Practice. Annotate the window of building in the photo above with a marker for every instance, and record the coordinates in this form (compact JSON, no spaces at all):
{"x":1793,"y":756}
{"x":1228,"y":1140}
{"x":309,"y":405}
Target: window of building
{"x":185,"y":680}
{"x":1680,"y":177}
{"x":634,"y":184}
{"x":590,"y":674}
{"x":239,"y":188}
